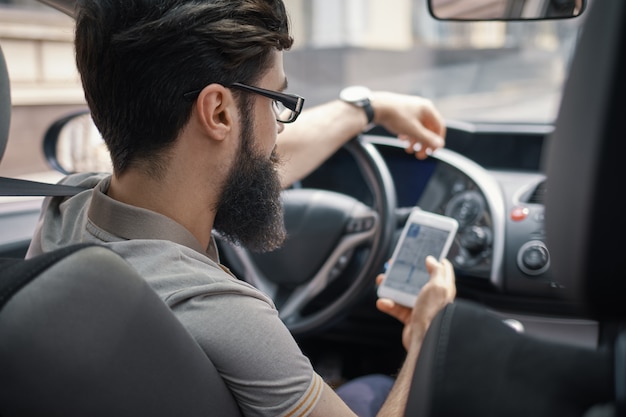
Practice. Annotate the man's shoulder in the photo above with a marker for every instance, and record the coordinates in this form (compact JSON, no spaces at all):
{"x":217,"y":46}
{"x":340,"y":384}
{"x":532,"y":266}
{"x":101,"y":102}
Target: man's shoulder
{"x":179,"y":273}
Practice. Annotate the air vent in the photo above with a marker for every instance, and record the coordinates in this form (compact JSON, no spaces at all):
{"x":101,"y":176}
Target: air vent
{"x":538,"y":194}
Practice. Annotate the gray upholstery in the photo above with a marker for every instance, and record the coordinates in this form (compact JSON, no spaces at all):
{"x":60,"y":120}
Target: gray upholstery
{"x":81,"y":334}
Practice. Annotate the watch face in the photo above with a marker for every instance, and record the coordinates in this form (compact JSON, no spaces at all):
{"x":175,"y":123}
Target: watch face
{"x":355,"y":93}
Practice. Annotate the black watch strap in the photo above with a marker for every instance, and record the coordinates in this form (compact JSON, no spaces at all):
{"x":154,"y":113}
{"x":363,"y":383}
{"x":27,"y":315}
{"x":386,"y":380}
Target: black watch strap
{"x":369,"y":110}
{"x":359,"y":96}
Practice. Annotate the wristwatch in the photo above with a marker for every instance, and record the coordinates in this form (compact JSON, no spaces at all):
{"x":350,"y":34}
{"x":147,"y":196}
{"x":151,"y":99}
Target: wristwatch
{"x":359,"y":96}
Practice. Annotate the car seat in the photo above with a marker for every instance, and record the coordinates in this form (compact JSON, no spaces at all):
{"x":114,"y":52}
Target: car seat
{"x":82,"y":334}
{"x":471,"y":363}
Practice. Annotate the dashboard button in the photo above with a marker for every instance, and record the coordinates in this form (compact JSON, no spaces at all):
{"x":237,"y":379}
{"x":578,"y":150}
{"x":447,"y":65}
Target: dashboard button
{"x":533,"y":258}
{"x":519,"y":213}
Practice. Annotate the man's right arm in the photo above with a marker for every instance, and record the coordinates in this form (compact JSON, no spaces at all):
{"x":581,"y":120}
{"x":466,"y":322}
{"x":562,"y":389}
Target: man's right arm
{"x":435,"y":295}
{"x":330,"y":404}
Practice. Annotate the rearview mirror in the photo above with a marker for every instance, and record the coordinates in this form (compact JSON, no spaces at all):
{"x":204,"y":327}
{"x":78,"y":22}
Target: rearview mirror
{"x":73,"y":144}
{"x":479,"y":10}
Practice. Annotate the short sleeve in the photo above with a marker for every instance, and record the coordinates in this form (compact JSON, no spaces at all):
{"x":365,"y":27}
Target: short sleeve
{"x":254,"y":352}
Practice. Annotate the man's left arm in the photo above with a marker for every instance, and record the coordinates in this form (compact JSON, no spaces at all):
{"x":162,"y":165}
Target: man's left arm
{"x":321,"y":130}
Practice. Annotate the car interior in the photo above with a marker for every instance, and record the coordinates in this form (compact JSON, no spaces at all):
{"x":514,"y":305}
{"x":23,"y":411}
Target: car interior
{"x":537,"y":327}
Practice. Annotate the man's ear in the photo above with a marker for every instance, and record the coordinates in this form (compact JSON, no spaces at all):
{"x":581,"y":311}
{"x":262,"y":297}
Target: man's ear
{"x":215,"y":107}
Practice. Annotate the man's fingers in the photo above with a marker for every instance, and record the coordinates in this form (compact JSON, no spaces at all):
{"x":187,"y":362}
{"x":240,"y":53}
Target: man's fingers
{"x":380,"y":278}
{"x":424,"y":143}
{"x":394,"y":309}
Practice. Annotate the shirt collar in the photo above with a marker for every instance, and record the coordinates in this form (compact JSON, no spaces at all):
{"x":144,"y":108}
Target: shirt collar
{"x":131,"y":222}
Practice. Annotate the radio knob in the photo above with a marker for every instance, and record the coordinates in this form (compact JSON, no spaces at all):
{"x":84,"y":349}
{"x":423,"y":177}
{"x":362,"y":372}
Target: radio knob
{"x":533,"y":258}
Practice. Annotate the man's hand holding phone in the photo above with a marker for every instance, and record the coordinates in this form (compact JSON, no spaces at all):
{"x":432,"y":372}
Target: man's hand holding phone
{"x":439,"y":291}
{"x":424,"y":234}
{"x":419,"y":281}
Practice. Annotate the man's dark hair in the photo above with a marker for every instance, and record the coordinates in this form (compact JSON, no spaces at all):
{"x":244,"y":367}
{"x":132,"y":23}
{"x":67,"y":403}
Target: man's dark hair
{"x":137,"y":58}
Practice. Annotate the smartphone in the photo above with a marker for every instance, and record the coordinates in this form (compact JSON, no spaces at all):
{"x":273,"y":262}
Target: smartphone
{"x":425,"y":233}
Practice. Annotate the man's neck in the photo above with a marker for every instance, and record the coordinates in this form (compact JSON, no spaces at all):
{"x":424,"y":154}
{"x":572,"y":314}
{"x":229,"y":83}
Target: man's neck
{"x":175,"y":199}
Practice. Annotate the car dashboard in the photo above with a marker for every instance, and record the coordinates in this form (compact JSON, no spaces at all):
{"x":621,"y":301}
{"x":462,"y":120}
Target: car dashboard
{"x":489,"y":178}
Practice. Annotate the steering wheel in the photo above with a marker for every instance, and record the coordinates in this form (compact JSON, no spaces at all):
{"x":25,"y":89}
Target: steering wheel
{"x":335,"y":246}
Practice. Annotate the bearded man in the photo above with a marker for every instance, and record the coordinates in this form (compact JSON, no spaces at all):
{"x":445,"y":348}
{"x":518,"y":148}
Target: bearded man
{"x":189,"y":98}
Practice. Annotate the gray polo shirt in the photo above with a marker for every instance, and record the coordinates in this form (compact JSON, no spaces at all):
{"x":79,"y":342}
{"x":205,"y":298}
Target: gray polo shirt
{"x":236,"y":325}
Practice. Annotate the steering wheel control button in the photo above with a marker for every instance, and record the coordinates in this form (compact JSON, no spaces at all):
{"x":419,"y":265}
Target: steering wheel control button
{"x":533,"y":258}
{"x":360,"y":224}
{"x":340,"y":266}
{"x":519,"y":213}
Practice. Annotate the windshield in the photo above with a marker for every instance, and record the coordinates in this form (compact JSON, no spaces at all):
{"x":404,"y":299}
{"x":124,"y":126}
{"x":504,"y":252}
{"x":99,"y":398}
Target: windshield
{"x":473,"y":71}
{"x":477,"y":72}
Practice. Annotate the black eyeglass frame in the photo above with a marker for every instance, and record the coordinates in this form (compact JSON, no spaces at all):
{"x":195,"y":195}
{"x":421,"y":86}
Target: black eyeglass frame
{"x":293,"y":102}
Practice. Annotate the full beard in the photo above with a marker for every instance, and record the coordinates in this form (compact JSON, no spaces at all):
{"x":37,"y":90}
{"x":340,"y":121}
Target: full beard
{"x":250,"y":212}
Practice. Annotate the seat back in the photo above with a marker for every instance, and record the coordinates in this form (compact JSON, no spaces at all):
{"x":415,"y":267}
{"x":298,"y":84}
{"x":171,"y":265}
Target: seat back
{"x":82,"y":334}
{"x":473,"y":364}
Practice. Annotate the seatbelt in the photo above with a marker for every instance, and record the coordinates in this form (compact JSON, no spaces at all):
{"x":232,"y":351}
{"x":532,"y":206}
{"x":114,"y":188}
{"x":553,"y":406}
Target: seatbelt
{"x":13,"y":187}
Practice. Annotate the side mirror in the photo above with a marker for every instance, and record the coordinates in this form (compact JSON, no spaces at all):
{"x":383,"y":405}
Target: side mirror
{"x":73,"y":144}
{"x":472,"y":10}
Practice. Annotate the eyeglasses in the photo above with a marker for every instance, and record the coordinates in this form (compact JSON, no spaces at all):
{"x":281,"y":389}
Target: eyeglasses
{"x":287,"y":107}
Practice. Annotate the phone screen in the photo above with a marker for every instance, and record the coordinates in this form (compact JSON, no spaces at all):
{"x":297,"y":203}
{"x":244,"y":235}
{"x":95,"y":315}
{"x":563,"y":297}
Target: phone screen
{"x":408,"y":271}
